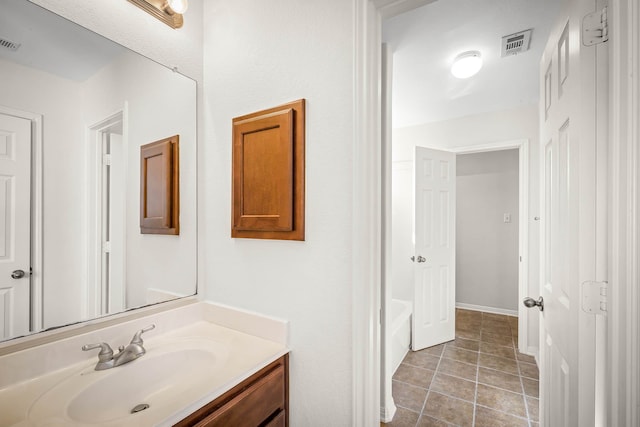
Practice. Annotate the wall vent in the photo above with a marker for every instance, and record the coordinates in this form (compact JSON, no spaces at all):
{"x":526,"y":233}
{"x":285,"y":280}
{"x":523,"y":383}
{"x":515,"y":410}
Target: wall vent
{"x":516,"y":43}
{"x":8,"y":44}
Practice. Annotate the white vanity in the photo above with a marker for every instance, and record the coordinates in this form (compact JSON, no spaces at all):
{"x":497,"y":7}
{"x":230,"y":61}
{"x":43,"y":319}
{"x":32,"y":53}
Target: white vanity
{"x":195,"y":358}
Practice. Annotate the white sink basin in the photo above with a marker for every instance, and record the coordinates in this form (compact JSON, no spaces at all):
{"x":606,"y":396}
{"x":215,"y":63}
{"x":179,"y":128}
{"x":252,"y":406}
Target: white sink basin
{"x":175,"y":371}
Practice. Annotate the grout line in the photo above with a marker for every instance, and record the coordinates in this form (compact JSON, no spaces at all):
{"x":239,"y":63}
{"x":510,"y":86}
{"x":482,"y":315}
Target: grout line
{"x":526,"y":405}
{"x":506,"y":413}
{"x":475,"y":395}
{"x":435,"y":372}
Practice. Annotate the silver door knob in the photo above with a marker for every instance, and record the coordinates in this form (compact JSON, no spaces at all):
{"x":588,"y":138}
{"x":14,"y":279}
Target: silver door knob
{"x":421,"y":258}
{"x":530,"y":303}
{"x":17,"y":274}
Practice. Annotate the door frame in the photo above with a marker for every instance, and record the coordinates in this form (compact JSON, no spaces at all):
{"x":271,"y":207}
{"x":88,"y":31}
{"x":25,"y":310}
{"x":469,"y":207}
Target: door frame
{"x":623,"y":353}
{"x":37,"y":277}
{"x":367,"y":205}
{"x":522,"y":145}
{"x":95,"y":300}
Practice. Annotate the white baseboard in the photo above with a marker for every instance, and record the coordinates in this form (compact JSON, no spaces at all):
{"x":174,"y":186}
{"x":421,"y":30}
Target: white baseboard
{"x":386,"y":414}
{"x":493,"y":310}
{"x":535,"y":352}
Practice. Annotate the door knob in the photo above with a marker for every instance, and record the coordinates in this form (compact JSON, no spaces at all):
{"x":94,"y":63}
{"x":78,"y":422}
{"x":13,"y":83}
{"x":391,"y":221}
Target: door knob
{"x":17,"y":274}
{"x":421,"y":258}
{"x":530,"y":302}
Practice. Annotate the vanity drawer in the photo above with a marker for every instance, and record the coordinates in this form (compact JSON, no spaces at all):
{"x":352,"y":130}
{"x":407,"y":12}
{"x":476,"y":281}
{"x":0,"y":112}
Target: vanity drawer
{"x":279,"y":420}
{"x":260,"y":400}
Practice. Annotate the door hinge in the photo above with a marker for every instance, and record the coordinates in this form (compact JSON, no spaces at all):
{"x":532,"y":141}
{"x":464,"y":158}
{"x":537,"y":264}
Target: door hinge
{"x":595,"y":28}
{"x":106,"y":247}
{"x":106,"y":159}
{"x":594,"y":297}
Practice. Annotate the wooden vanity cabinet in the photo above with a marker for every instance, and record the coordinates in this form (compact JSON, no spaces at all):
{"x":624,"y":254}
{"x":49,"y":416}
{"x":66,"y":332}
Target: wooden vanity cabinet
{"x":262,"y":400}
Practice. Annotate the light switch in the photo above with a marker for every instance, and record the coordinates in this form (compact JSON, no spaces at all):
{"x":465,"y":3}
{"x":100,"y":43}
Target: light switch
{"x":507,"y":217}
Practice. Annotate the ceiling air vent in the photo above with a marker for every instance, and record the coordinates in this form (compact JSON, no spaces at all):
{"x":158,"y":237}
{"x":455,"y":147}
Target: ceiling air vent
{"x":516,"y":43}
{"x":8,"y":44}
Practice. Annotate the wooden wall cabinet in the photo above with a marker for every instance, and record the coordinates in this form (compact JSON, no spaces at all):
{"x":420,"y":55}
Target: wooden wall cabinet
{"x":268,"y":173}
{"x":260,"y":400}
{"x":160,"y":187}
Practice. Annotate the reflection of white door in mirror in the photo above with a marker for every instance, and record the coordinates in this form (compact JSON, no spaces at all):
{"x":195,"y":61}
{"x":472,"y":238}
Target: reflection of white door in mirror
{"x":15,"y":220}
{"x":107,"y":187}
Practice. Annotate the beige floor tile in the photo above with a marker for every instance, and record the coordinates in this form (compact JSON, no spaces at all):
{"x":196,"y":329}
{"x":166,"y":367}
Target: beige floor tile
{"x":506,"y":340}
{"x":468,"y":335}
{"x":403,"y":418}
{"x":408,"y":396}
{"x":467,"y":327}
{"x":499,"y":379}
{"x":486,"y":417}
{"x":449,"y":409}
{"x":413,"y":375}
{"x":436,"y":350}
{"x":497,"y":350}
{"x":457,"y":369}
{"x":531,"y":387}
{"x":454,"y":386}
{"x":529,"y":370}
{"x":468,"y":313}
{"x":470,"y":345}
{"x":466,"y":356}
{"x":427,"y":421}
{"x":493,"y":316}
{"x":501,"y":400}
{"x":421,"y":359}
{"x":497,"y":330}
{"x":534,"y":408}
{"x":509,"y":366}
{"x":525,"y":358}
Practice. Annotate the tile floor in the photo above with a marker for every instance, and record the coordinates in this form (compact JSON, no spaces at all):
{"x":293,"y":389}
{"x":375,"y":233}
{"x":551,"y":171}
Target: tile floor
{"x":479,"y":379}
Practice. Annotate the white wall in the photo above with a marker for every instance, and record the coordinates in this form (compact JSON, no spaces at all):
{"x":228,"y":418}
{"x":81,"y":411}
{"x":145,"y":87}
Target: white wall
{"x":509,"y":125}
{"x":486,"y":246}
{"x":257,"y":55}
{"x":402,"y":229}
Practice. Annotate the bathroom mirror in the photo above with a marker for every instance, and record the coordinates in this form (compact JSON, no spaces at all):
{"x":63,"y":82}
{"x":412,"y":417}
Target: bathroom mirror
{"x":75,"y":108}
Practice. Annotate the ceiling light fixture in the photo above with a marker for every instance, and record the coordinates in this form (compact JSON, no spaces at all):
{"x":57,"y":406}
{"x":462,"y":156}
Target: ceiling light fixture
{"x":168,"y":11}
{"x":466,"y":64}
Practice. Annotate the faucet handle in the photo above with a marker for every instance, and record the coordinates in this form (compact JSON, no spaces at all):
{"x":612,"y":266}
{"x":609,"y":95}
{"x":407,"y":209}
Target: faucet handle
{"x":106,"y":353}
{"x":137,"y":338}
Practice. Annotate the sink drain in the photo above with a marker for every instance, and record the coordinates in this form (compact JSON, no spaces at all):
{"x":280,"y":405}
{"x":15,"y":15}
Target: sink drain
{"x":140,"y":407}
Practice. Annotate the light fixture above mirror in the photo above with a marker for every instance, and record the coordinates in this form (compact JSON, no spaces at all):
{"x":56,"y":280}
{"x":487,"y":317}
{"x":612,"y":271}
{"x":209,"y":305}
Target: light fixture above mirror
{"x":168,"y":11}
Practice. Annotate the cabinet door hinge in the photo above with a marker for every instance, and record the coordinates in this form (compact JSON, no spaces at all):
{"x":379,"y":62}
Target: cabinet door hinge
{"x":594,"y":297}
{"x":106,"y":159}
{"x":595,"y":28}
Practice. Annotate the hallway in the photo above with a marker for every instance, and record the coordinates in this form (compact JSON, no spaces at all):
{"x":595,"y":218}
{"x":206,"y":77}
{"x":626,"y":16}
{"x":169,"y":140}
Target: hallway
{"x":479,"y":379}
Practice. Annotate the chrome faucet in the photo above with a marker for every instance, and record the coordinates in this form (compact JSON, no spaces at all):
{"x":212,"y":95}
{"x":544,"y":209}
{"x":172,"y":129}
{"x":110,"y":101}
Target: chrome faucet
{"x":106,"y":358}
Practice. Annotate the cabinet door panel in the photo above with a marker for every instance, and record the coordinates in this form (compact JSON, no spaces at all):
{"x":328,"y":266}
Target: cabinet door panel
{"x":255,"y":404}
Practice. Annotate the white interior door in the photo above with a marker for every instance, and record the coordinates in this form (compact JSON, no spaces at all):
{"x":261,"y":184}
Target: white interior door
{"x":434,"y":263}
{"x":15,"y":225}
{"x":569,"y":223}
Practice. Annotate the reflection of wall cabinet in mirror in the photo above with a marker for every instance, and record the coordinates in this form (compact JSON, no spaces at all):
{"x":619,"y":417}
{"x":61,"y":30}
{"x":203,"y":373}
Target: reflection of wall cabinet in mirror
{"x":268,"y":173}
{"x":260,"y":400}
{"x":159,"y":187}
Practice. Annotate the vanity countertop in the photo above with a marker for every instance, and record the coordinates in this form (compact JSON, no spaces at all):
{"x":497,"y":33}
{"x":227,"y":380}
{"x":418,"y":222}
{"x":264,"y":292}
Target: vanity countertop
{"x":199,"y":352}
